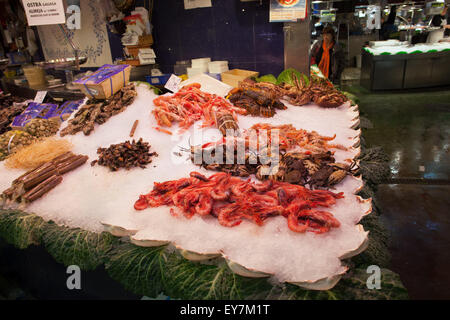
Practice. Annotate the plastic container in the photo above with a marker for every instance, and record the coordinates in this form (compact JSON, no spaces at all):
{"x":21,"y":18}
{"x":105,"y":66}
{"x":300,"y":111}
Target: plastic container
{"x":157,"y":80}
{"x":191,"y":72}
{"x":200,"y":62}
{"x":218,"y":66}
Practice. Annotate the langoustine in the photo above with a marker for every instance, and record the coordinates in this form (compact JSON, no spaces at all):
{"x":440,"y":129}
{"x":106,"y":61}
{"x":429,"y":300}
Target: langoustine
{"x":189,"y":105}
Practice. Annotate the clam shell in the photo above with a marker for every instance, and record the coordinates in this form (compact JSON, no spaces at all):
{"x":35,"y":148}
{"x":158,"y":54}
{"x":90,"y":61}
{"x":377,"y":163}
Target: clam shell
{"x":196,"y":256}
{"x":118,"y":231}
{"x":148,"y":243}
{"x":355,"y":124}
{"x":359,"y":178}
{"x":245,"y":272}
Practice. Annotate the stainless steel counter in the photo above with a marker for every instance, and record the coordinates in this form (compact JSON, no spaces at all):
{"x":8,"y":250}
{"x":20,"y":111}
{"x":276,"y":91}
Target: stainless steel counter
{"x":405,"y":71}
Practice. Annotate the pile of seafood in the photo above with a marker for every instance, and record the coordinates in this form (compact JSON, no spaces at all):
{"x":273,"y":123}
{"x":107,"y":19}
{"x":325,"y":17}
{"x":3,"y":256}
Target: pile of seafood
{"x":190,"y":104}
{"x":10,"y":107}
{"x":42,"y":127}
{"x":317,"y":170}
{"x":256,"y":99}
{"x":12,"y":141}
{"x":290,"y":138}
{"x":230,"y":200}
{"x":99,"y":111}
{"x":321,"y":94}
{"x":40,"y":180}
{"x":299,"y":93}
{"x":125,"y":155}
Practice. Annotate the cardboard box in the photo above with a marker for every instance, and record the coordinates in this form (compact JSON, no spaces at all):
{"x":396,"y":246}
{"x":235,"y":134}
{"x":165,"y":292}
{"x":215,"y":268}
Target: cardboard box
{"x":134,"y":50}
{"x":233,"y":77}
{"x":104,"y":82}
{"x":133,"y":62}
{"x":146,"y":40}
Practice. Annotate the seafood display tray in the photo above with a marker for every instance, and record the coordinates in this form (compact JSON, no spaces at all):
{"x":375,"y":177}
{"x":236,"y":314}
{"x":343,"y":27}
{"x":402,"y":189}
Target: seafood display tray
{"x":94,"y":199}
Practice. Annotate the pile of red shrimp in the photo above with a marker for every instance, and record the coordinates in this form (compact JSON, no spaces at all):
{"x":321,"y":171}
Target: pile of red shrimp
{"x":231,"y":199}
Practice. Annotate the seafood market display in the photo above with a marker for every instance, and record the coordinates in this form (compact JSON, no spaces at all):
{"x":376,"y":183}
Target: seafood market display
{"x":304,"y":211}
{"x":99,"y":111}
{"x":125,"y":155}
{"x":40,"y":180}
{"x":231,"y":200}
{"x":190,"y":104}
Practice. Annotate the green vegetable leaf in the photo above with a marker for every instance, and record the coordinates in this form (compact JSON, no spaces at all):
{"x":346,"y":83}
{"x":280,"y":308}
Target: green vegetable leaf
{"x":267,"y":78}
{"x":286,"y":76}
{"x":191,"y":280}
{"x":139,"y":269}
{"x":20,"y":229}
{"x":70,"y":246}
{"x":354,"y":286}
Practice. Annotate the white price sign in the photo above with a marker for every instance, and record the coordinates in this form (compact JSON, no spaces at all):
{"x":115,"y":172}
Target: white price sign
{"x":173,"y":83}
{"x":44,"y":12}
{"x":40,"y":96}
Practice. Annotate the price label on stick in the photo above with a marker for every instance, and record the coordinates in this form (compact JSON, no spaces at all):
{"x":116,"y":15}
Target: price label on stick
{"x":173,"y":83}
{"x":40,"y":96}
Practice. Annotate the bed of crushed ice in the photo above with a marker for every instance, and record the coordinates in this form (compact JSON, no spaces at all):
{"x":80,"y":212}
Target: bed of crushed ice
{"x":90,"y":197}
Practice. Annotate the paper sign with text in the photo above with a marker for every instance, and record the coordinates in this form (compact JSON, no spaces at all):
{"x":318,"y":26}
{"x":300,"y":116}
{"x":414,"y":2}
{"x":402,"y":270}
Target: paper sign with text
{"x":44,"y":12}
{"x":173,"y":83}
{"x":40,"y":96}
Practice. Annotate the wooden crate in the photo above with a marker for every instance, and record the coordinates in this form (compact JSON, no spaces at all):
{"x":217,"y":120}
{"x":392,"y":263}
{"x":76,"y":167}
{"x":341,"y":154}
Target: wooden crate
{"x":233,"y":77}
{"x":134,"y":50}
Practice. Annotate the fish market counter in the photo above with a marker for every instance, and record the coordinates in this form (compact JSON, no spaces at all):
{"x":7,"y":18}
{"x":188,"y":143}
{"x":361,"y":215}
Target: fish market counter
{"x":96,"y":216}
{"x":403,"y":70}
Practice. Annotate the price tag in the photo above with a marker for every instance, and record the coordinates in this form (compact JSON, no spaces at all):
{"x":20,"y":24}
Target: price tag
{"x":40,"y":96}
{"x":44,"y":12}
{"x":173,"y":83}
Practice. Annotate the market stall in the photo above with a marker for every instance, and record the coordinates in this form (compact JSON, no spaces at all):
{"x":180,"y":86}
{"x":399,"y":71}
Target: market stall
{"x":240,"y":183}
{"x":396,"y":65}
{"x":104,"y":202}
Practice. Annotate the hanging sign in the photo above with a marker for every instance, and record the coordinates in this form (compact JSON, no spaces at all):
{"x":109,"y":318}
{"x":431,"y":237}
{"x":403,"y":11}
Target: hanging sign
{"x":287,"y":10}
{"x":44,"y":12}
{"x":193,"y":4}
